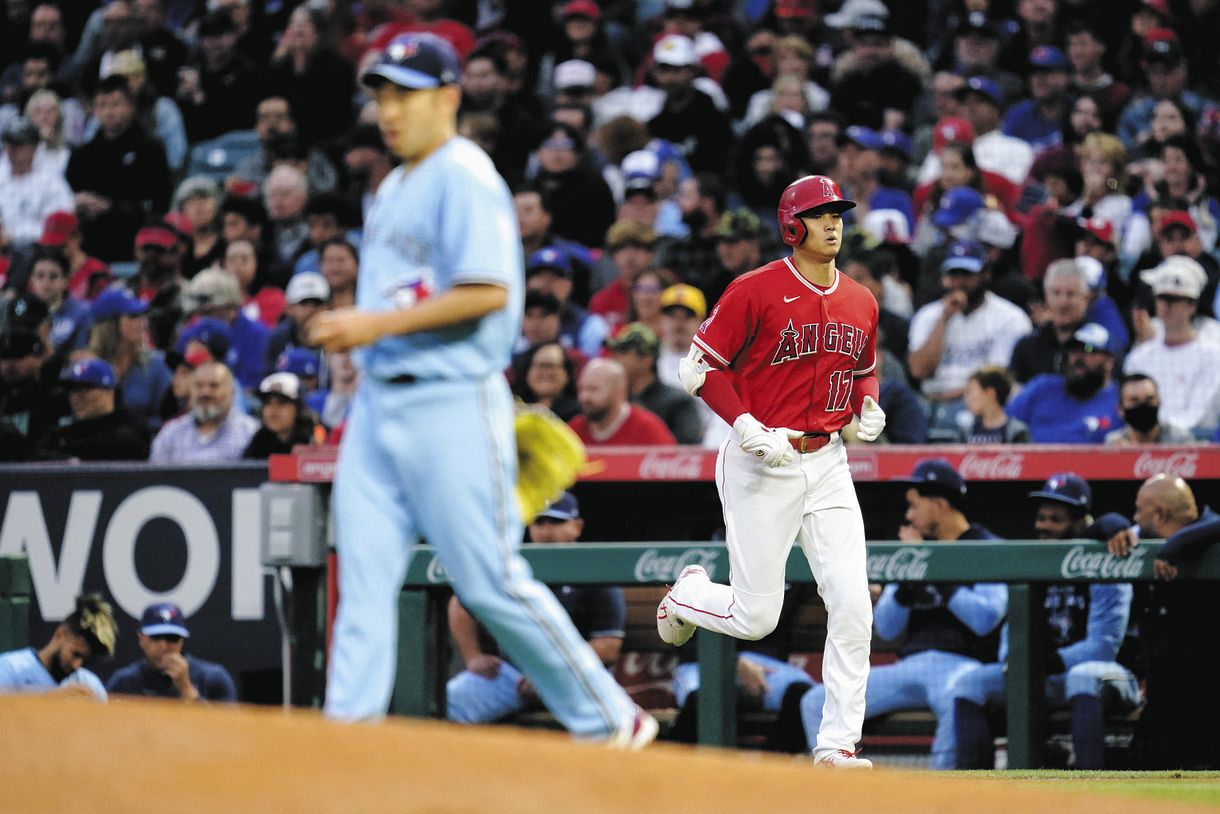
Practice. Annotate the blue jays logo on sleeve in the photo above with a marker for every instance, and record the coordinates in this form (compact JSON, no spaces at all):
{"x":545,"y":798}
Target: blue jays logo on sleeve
{"x":406,"y":293}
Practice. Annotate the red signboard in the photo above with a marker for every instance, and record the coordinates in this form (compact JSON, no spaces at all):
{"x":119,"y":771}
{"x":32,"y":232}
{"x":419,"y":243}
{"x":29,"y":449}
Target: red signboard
{"x":1033,"y":462}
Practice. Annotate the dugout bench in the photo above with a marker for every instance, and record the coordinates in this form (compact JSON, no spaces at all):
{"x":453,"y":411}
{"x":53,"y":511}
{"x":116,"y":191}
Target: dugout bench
{"x":671,"y":494}
{"x":1027,"y":566}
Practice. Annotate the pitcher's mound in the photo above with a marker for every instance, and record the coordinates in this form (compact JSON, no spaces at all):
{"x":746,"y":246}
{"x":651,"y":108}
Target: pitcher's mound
{"x":132,"y":756}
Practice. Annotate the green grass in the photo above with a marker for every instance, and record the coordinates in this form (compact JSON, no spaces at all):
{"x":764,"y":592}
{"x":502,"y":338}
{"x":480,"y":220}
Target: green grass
{"x":1200,"y":788}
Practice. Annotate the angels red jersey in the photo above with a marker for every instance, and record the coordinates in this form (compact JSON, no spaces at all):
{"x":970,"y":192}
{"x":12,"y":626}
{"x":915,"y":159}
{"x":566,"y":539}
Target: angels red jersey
{"x":794,"y":348}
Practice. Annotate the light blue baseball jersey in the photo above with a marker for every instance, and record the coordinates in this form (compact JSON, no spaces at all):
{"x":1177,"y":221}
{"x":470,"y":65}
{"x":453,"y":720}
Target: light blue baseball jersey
{"x":21,"y":671}
{"x":418,"y":242}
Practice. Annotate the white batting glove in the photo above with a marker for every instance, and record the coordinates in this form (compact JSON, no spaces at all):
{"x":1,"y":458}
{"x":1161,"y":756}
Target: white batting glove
{"x":773,"y":446}
{"x":872,"y":420}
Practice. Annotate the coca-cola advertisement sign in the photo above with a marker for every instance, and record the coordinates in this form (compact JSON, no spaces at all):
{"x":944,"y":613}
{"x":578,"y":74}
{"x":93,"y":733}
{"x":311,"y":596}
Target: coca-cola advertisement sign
{"x":1085,"y":562}
{"x":863,"y":466}
{"x":991,"y":466}
{"x":907,"y":563}
{"x":653,"y":566}
{"x":1174,"y":464}
{"x":672,"y":466}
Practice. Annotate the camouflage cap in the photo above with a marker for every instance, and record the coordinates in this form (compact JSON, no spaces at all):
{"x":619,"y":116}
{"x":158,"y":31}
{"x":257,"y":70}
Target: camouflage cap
{"x":636,"y":337}
{"x":738,"y":224}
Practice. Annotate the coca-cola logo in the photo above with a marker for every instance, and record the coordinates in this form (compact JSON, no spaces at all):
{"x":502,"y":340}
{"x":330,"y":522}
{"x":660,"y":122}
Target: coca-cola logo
{"x":436,"y":572}
{"x":907,"y":563}
{"x":993,"y":466}
{"x":863,"y":466}
{"x":671,"y":466}
{"x":1175,"y":464}
{"x":653,"y":566}
{"x":316,"y":471}
{"x":1084,"y":562}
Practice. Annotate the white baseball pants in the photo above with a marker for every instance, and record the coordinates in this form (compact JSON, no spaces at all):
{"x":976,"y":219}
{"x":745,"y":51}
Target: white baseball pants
{"x":813,"y":501}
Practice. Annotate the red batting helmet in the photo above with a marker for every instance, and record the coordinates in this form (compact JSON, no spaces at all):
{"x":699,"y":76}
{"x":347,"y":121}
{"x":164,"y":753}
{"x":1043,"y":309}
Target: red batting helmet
{"x":803,"y":195}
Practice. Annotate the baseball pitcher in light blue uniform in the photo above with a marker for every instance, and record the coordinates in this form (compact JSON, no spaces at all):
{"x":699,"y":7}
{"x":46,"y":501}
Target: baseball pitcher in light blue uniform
{"x":429,"y":449}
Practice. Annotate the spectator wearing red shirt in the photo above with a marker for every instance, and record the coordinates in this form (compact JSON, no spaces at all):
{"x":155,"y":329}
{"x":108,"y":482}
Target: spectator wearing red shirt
{"x":631,"y":248}
{"x":88,"y":275}
{"x":607,"y":418}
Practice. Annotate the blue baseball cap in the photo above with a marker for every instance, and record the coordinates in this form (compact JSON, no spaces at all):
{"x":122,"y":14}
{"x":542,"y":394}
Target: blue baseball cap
{"x":896,"y":141}
{"x":864,"y":137}
{"x":550,"y":258}
{"x":416,"y":60}
{"x":115,"y":301}
{"x":563,"y":509}
{"x":1090,"y":338}
{"x":212,"y":333}
{"x":1048,"y":58}
{"x":1066,"y":487}
{"x":300,"y":361}
{"x":938,"y":475}
{"x":964,"y":255}
{"x":88,"y":373}
{"x":982,"y":86}
{"x":164,"y":619}
{"x":956,"y":206}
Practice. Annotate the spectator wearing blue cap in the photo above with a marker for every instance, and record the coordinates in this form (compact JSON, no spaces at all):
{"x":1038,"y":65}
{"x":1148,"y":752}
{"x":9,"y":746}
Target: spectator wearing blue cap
{"x":968,"y":328}
{"x":118,"y":334}
{"x":1078,"y":405}
{"x":945,"y":628}
{"x":308,"y":366}
{"x":995,"y":150}
{"x":216,"y":293}
{"x":860,"y":170}
{"x":166,"y":671}
{"x":975,"y":48}
{"x":895,"y":152}
{"x":1085,"y":626}
{"x":550,"y":270}
{"x":490,"y":687}
{"x":1037,"y":120}
{"x":99,"y":430}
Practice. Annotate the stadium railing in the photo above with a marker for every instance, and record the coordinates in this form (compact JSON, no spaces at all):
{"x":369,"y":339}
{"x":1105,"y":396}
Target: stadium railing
{"x":1027,"y":566}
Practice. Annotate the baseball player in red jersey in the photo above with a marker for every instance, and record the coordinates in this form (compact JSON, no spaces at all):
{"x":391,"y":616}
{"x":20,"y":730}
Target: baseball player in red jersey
{"x":786,"y":357}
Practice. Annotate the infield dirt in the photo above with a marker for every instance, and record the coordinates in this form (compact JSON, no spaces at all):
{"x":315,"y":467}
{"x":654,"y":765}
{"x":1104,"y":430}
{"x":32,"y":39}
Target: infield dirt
{"x":59,"y":755}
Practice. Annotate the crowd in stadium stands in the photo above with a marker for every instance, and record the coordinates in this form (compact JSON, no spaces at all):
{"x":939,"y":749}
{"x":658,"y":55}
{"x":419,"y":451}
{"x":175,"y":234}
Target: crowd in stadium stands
{"x":183,"y":182}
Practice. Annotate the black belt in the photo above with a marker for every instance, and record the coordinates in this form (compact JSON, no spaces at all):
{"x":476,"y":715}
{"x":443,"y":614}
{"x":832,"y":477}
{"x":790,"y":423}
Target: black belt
{"x":405,"y":378}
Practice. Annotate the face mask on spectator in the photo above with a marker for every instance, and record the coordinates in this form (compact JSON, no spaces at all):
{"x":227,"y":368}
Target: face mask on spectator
{"x":1141,"y":417}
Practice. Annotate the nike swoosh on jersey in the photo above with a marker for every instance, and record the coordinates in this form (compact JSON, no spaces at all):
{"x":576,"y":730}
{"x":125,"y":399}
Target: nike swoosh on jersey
{"x":791,"y":299}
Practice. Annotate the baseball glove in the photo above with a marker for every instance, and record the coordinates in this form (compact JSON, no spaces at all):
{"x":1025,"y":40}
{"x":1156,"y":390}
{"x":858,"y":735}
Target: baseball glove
{"x":549,"y":458}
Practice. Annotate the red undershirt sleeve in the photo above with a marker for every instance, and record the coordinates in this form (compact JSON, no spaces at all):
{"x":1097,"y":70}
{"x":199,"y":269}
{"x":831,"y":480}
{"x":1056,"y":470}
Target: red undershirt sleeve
{"x":719,"y":394}
{"x":864,"y":386}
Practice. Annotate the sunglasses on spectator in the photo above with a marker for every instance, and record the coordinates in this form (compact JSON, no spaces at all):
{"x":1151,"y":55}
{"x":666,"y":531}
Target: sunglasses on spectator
{"x":559,"y":144}
{"x":1171,"y":299}
{"x":172,"y":638}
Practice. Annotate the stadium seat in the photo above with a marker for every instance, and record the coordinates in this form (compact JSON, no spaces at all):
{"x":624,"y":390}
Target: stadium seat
{"x":219,"y":158}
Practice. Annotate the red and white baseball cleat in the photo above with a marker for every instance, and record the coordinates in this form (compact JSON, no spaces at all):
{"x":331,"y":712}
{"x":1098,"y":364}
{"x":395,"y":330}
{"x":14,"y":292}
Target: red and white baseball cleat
{"x":843,"y":759}
{"x":670,"y":627}
{"x":643,"y":731}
